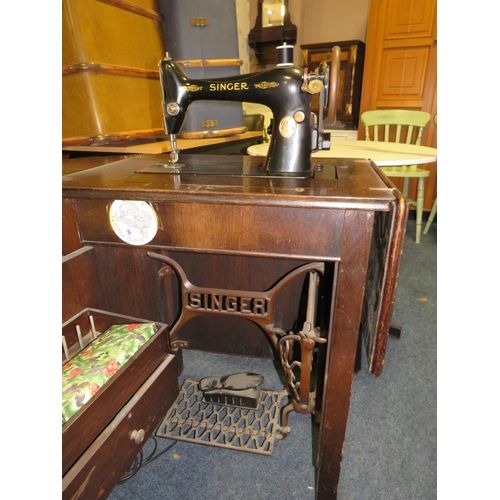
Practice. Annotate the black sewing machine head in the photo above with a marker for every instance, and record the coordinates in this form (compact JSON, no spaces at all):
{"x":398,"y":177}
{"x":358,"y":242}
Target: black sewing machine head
{"x":286,"y":89}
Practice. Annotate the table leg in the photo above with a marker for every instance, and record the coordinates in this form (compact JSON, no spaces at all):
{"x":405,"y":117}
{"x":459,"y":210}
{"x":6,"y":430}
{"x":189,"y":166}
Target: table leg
{"x":345,"y":317}
{"x":420,"y":208}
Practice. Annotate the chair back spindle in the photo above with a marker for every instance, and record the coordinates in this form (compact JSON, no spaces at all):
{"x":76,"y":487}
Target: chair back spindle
{"x":391,"y":124}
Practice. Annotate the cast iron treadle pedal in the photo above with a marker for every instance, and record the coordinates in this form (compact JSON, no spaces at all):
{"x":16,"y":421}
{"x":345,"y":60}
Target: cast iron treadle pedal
{"x":192,"y":420}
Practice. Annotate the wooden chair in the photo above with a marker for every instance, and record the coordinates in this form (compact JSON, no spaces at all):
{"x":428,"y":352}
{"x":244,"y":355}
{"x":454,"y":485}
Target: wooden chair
{"x":404,"y":126}
{"x":431,"y":216}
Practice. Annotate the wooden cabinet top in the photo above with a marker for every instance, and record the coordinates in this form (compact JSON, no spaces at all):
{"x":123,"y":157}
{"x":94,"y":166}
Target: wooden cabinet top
{"x":340,"y":183}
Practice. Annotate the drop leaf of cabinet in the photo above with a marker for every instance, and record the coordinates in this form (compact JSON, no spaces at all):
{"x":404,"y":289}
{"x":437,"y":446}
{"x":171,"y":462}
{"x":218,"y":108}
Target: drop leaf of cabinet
{"x":352,"y":56}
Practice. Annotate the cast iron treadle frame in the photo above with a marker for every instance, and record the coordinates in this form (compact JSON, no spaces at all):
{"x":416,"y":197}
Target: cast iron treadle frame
{"x":242,"y":429}
{"x":258,"y":307}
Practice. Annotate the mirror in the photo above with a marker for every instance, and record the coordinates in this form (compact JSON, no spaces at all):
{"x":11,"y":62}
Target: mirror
{"x":273,"y":13}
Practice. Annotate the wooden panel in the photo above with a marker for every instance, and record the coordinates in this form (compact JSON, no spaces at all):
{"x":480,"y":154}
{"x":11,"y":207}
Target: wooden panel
{"x":381,"y":281}
{"x":121,"y":280}
{"x":342,"y":346}
{"x":80,"y":284}
{"x":400,"y":62}
{"x":229,"y":228}
{"x":129,"y":282}
{"x":71,"y":235}
{"x":73,"y":165}
{"x":403,"y":73}
{"x":409,"y":18}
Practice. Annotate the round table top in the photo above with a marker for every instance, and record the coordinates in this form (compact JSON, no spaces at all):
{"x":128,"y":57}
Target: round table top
{"x":383,"y":154}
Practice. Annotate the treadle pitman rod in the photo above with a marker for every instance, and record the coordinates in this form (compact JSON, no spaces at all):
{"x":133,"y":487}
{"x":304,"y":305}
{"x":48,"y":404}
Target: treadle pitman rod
{"x":303,"y":399}
{"x":258,"y":307}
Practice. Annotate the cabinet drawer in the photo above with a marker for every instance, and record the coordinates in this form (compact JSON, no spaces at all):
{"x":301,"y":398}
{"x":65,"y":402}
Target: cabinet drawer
{"x":267,"y":230}
{"x":79,"y":432}
{"x":102,"y":465}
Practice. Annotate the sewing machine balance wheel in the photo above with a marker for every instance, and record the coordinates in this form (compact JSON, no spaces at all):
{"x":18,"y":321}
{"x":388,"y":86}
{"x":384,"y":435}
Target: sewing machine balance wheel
{"x":333,"y":85}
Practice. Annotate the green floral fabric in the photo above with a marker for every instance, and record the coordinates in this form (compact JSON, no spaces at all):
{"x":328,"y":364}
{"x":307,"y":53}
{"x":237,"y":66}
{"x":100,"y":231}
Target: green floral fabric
{"x":86,"y":373}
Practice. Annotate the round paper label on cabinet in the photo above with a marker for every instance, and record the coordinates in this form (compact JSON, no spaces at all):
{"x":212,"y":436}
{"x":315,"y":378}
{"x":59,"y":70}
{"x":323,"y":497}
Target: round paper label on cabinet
{"x":134,"y":222}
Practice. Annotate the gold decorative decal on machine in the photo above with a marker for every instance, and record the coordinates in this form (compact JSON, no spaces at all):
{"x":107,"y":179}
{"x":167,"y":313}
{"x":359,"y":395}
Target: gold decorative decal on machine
{"x":134,"y":222}
{"x":288,"y":126}
{"x":193,"y":88}
{"x":266,"y":85}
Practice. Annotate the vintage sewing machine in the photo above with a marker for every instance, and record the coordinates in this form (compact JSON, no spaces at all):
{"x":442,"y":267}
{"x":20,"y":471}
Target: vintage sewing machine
{"x":286,"y":90}
{"x":308,"y":257}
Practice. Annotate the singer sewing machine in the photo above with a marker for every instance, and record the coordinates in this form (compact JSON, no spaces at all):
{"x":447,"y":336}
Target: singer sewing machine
{"x":266,"y":257}
{"x":286,"y":90}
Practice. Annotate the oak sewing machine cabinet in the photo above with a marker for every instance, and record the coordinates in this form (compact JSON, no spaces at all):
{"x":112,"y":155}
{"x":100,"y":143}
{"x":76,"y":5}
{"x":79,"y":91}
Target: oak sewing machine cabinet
{"x":282,"y":258}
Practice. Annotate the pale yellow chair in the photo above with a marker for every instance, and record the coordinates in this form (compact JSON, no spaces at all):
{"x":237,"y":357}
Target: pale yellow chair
{"x":435,"y":203}
{"x":404,"y":126}
{"x":431,"y":216}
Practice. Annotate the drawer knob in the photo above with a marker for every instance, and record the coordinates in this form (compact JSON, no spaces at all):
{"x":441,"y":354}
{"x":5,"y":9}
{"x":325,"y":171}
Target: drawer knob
{"x":137,"y":436}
